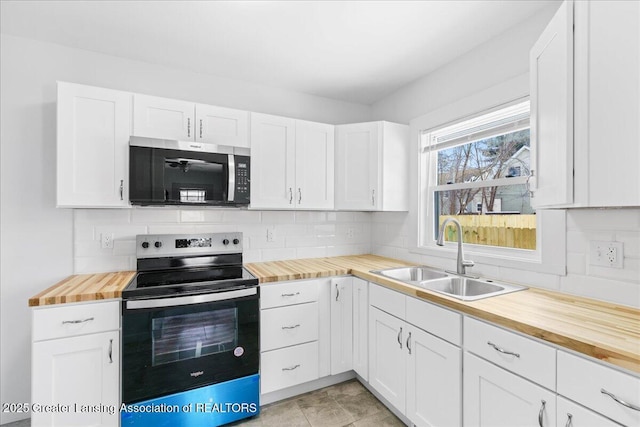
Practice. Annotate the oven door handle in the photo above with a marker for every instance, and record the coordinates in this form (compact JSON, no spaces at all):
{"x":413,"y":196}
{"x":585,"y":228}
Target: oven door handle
{"x":190,"y":299}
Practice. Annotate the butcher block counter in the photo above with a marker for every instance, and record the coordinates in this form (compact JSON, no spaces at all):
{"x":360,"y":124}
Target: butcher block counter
{"x":599,"y":329}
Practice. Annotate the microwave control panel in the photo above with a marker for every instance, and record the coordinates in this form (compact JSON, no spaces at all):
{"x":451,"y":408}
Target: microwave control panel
{"x":243,"y":179}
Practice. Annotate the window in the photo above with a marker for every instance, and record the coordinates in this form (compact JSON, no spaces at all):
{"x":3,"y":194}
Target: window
{"x":476,"y":170}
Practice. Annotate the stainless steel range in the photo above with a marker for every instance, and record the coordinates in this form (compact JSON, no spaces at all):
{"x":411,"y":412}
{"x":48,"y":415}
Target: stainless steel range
{"x":190,"y":333}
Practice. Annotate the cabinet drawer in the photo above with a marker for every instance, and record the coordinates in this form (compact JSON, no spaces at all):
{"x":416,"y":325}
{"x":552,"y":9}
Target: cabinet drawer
{"x":286,"y":326}
{"x":387,"y":300}
{"x":78,"y":319}
{"x":572,"y":415}
{"x":288,"y":367}
{"x":436,"y":320}
{"x":288,"y":293}
{"x":583,"y":381}
{"x":511,"y":351}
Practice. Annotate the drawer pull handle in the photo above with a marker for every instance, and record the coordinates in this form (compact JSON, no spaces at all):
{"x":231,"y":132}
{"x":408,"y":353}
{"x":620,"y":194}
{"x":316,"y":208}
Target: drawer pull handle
{"x":541,"y":413}
{"x":291,"y":368}
{"x":291,"y":327}
{"x":409,"y":343}
{"x":400,"y":337}
{"x":502,"y":350}
{"x":569,"y":420}
{"x":337,"y":292}
{"x":64,"y":322}
{"x":620,"y":401}
{"x":291,"y":294}
{"x":111,"y":351}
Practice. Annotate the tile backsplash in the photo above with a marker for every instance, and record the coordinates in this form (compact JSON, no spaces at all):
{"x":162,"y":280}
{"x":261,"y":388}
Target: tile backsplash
{"x":299,"y":234}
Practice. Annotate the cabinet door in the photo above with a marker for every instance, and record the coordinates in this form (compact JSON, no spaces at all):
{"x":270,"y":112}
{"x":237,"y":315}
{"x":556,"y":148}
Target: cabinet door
{"x":164,"y":118}
{"x":93,"y":131}
{"x":494,"y":397}
{"x":341,"y":325}
{"x":607,"y":103}
{"x":224,"y":126}
{"x":551,"y":65}
{"x":357,"y":159}
{"x":573,"y":415}
{"x":434,"y":380}
{"x":361,"y":327}
{"x":314,"y":165}
{"x":272,"y":161}
{"x":387,"y":356}
{"x":74,"y":372}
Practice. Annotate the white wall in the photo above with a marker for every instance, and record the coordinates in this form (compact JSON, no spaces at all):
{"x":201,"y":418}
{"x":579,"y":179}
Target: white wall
{"x":38,"y":239}
{"x":499,"y":59}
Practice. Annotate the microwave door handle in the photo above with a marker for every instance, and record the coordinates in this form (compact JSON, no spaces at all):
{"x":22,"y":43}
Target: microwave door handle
{"x":232,"y":178}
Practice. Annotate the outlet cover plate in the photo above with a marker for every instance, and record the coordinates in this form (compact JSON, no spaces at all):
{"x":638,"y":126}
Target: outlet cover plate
{"x":606,"y":254}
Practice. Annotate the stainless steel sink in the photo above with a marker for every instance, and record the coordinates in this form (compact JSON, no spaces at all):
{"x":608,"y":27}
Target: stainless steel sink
{"x":468,"y":289}
{"x":413,"y":275}
{"x":463,"y":288}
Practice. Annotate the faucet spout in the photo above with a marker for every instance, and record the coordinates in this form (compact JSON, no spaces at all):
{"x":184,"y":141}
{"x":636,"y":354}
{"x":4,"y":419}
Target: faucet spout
{"x":462,"y":264}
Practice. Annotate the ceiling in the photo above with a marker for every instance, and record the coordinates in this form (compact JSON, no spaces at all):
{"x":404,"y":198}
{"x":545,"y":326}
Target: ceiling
{"x":356,"y":51}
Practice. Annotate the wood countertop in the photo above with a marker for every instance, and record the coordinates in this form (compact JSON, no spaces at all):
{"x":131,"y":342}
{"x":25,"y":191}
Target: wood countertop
{"x":599,"y":329}
{"x":84,"y":287}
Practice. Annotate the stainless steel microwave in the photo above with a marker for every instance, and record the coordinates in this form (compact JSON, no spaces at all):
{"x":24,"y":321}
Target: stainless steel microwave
{"x":165,"y":172}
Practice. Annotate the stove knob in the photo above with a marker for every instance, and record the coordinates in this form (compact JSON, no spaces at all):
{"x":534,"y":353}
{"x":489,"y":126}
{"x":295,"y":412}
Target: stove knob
{"x":158,"y":244}
{"x":225,"y":242}
{"x":145,"y":245}
{"x":236,"y":241}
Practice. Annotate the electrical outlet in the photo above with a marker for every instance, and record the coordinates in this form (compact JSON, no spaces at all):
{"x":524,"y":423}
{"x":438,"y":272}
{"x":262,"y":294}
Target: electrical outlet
{"x":350,"y":233}
{"x":271,"y":234}
{"x":106,"y":240}
{"x":607,"y":254}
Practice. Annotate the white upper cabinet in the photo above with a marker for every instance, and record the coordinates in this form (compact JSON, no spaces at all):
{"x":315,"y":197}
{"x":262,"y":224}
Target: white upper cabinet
{"x":551,"y":62}
{"x":165,"y":118}
{"x":607,"y":109}
{"x":372,"y":167}
{"x":93,"y":131}
{"x":585,"y":107}
{"x":224,"y":126}
{"x":291,"y":163}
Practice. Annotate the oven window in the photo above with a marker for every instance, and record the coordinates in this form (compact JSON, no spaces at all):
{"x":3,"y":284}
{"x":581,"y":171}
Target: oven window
{"x":189,"y":336}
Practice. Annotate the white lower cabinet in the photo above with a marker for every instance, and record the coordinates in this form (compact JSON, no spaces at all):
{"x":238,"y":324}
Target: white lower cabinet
{"x":573,"y":415}
{"x":341,"y":325}
{"x":288,"y":366}
{"x":494,"y":397}
{"x":415,"y":371}
{"x":76,"y":371}
{"x":361,"y":328}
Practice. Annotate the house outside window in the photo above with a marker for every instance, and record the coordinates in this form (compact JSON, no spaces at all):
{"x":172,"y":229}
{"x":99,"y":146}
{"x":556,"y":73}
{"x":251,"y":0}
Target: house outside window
{"x":476,"y":170}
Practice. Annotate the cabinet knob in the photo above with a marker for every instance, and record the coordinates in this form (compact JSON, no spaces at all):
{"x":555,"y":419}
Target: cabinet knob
{"x":158,"y":244}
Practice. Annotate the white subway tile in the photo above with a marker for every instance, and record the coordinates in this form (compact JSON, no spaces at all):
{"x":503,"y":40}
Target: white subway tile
{"x":278,"y":217}
{"x":215,"y":228}
{"x":577,"y":263}
{"x":83,"y":232}
{"x":124,"y":247}
{"x":111,"y":216}
{"x":88,"y":248}
{"x":630,"y":272}
{"x":102,"y":264}
{"x":631,"y":241}
{"x":140,"y":215}
{"x":240,"y":216}
{"x":312,"y":252}
{"x":603,"y":219}
{"x":340,"y":217}
{"x":278,"y":254}
{"x":126,"y":232}
{"x":251,"y":255}
{"x":171,"y":229}
{"x":310,"y":216}
{"x":191,"y":216}
{"x":324,"y":230}
{"x":531,"y":278}
{"x":301,"y":241}
{"x":618,"y":292}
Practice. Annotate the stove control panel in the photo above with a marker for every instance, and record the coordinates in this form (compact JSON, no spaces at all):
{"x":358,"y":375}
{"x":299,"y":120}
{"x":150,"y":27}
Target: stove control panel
{"x":164,"y":245}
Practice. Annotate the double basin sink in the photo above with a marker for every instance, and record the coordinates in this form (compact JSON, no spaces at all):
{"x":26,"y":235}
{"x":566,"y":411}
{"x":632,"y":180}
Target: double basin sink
{"x":460,"y":287}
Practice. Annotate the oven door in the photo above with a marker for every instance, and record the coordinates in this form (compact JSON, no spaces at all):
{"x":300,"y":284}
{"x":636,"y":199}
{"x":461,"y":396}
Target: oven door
{"x":181,"y":343}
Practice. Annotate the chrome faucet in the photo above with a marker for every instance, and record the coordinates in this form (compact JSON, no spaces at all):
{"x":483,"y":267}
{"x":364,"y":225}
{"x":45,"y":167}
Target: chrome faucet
{"x":462,"y":264}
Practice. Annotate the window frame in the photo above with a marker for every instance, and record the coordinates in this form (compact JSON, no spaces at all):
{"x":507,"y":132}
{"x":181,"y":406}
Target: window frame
{"x":550,"y":253}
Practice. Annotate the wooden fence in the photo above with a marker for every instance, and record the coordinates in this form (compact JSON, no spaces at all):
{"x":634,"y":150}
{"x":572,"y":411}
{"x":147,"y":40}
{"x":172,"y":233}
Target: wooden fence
{"x":512,"y":231}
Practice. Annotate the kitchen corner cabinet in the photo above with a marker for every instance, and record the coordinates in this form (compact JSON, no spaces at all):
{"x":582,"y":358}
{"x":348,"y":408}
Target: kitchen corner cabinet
{"x":93,"y":128}
{"x":416,"y":371}
{"x":165,"y":118}
{"x":341,"y":325}
{"x":291,"y":163}
{"x":76,"y":364}
{"x":372,"y":167}
{"x":361,"y":327}
{"x":585,"y":104}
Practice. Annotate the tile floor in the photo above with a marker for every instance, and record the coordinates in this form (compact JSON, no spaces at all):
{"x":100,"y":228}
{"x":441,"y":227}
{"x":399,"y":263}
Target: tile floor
{"x":344,"y":404}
